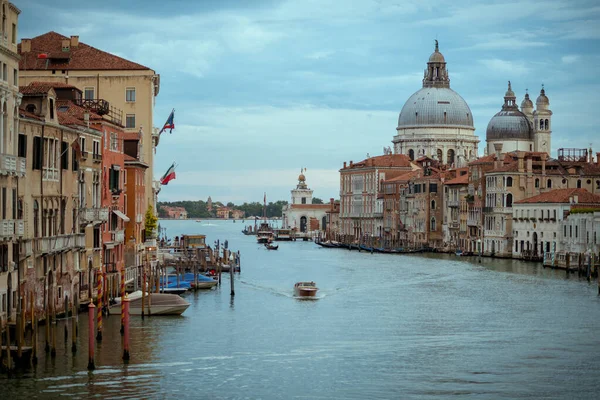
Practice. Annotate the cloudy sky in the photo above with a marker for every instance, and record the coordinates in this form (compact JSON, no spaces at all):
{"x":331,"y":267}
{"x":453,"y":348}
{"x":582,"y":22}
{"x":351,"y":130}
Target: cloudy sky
{"x":262,"y":88}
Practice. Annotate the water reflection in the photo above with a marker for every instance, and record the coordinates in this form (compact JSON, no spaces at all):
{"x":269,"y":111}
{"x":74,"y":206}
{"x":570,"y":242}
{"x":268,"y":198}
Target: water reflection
{"x":386,"y":326}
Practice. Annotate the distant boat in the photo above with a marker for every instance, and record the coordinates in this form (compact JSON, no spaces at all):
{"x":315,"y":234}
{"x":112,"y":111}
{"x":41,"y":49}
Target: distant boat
{"x":198,"y":220}
{"x":270,"y":246}
{"x":305,"y":289}
{"x":204,"y":282}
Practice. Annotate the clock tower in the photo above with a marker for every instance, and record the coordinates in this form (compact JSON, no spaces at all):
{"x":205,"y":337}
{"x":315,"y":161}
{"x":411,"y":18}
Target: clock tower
{"x":542,"y":123}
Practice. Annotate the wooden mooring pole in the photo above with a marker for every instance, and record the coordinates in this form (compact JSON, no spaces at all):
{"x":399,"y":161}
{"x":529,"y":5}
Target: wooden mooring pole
{"x":74,"y":330}
{"x":34,"y":330}
{"x":91,"y":343}
{"x":125,"y":301}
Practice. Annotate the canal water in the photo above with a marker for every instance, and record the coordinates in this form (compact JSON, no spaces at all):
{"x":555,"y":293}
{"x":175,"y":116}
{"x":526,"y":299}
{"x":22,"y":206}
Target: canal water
{"x":384,"y":327}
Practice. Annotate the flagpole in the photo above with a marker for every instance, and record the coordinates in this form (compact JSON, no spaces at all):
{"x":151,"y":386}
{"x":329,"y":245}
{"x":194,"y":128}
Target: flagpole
{"x":163,"y":128}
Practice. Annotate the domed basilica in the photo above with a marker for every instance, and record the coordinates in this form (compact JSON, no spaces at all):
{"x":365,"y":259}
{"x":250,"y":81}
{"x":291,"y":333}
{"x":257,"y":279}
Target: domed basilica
{"x":526,"y":129}
{"x":436,"y":121}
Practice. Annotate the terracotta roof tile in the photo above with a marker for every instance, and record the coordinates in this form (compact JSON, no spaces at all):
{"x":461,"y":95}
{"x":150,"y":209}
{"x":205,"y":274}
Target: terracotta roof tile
{"x":563,"y":196}
{"x":459,"y":180}
{"x":81,"y":57}
{"x":391,"y":160}
{"x":404,"y":177}
{"x":26,"y":114}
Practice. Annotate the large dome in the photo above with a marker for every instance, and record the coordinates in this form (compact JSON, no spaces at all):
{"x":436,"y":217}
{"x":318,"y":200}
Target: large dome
{"x":509,"y":124}
{"x":435,"y":106}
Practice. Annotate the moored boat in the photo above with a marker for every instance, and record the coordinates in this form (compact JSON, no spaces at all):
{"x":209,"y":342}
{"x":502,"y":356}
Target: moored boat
{"x":154,"y":304}
{"x":305,"y":289}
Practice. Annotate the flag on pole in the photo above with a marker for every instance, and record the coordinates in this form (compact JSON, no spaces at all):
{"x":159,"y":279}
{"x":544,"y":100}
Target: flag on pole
{"x":169,"y":175}
{"x":170,"y":124}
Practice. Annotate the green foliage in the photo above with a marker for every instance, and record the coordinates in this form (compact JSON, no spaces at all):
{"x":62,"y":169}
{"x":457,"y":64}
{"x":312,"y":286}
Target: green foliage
{"x":584,"y":210}
{"x":197,"y":209}
{"x":317,"y":200}
{"x":150,"y":223}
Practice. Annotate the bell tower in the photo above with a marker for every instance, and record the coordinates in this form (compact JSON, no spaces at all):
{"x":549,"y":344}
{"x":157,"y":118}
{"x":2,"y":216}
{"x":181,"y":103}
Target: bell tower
{"x":542,"y":123}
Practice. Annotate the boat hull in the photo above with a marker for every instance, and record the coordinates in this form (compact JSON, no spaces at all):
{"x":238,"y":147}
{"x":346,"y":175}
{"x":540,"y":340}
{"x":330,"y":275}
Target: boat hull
{"x":305,"y":292}
{"x":160,"y":310}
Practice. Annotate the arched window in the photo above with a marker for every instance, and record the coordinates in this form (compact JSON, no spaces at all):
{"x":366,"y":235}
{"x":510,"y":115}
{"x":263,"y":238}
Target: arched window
{"x":578,"y":183}
{"x":324,"y":223}
{"x":433,"y":204}
{"x":411,"y":154}
{"x":30,"y":108}
{"x":541,"y":124}
{"x":547,"y":125}
{"x":549,"y":184}
{"x":565,"y":183}
{"x":537,"y":182}
{"x":433,"y":224}
{"x":509,"y":200}
{"x":509,"y":181}
{"x":450,"y":159}
{"x":440,"y":155}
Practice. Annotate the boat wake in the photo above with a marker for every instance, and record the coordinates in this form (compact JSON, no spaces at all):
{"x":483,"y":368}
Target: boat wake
{"x":280,"y":292}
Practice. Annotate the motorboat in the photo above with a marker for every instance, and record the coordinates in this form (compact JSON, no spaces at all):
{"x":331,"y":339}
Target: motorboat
{"x":154,"y":304}
{"x":305,"y":289}
{"x":204,"y":282}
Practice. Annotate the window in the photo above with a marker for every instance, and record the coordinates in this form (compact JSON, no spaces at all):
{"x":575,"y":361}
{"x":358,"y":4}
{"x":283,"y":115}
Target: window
{"x":433,"y":224}
{"x":130,"y":95}
{"x":509,"y":181}
{"x":5,"y":72}
{"x":3,"y":203}
{"x":578,"y":183}
{"x":14,"y":33}
{"x":88,"y":93}
{"x":22,"y":146}
{"x":537,"y":183}
{"x":433,"y":204}
{"x":433,"y":188}
{"x":96,"y":237}
{"x":304,"y":200}
{"x":114,"y":141}
{"x":50,"y":158}
{"x":549,"y":185}
{"x":30,"y":108}
{"x":51,"y":108}
{"x":15,"y":77}
{"x":130,"y":121}
{"x":96,"y":147}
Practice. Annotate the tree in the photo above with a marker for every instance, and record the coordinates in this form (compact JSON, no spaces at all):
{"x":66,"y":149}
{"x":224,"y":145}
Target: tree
{"x":317,"y":200}
{"x":150,"y":223}
{"x":230,"y":205}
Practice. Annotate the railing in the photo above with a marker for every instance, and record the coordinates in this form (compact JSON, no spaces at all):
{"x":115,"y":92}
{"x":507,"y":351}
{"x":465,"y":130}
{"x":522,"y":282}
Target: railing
{"x":84,"y":154}
{"x":102,"y":107}
{"x":472,"y":221}
{"x":50,"y":174}
{"x":118,"y":236}
{"x":12,"y":227}
{"x":453,"y":203}
{"x":110,"y":267}
{"x":12,"y":165}
{"x":454,"y":225}
{"x":505,"y":210}
{"x":56,"y":244}
{"x":97,"y":157}
{"x":494,"y":233}
{"x":130,"y":274}
{"x":93,"y":215}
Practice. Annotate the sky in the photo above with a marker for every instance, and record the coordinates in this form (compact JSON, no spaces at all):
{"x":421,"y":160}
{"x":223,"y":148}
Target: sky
{"x":264,"y":88}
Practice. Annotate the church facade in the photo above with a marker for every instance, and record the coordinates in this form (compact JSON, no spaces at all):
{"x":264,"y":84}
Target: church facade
{"x":301,"y":215}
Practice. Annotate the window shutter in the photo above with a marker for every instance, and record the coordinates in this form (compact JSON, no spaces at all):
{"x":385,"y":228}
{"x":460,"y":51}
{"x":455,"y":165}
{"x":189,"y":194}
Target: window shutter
{"x":64,"y":155}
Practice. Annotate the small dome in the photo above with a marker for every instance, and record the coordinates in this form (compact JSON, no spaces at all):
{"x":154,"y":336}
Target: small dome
{"x":507,"y":125}
{"x":437,"y":57}
{"x":301,"y":178}
{"x":509,"y":92}
{"x":435,"y":106}
{"x":526,"y":103}
{"x":542,"y":99}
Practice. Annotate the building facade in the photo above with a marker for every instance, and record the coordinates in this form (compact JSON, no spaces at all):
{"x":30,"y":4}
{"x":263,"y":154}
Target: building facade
{"x":301,"y":214}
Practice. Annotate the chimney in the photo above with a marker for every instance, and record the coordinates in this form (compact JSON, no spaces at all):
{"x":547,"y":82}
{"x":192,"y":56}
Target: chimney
{"x":520,"y":163}
{"x":25,"y":45}
{"x":598,"y":158}
{"x":344,"y":164}
{"x":351,"y":163}
{"x":498,"y":149}
{"x":74,"y":41}
{"x":331,"y":200}
{"x":66,"y":45}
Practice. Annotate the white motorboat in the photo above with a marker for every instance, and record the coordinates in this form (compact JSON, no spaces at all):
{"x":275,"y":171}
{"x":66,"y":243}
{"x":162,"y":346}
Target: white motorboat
{"x":154,"y":304}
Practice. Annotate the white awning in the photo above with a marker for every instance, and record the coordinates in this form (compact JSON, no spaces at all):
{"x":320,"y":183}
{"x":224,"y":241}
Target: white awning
{"x":121,"y":215}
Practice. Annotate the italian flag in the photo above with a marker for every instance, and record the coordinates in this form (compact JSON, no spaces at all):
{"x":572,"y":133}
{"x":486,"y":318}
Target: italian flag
{"x":169,"y":175}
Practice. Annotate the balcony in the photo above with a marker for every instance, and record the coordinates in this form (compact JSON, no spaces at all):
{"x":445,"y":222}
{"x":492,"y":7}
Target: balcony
{"x":118,"y":236}
{"x":102,"y":107}
{"x":84,"y":154}
{"x":473,"y":221}
{"x":116,"y":192}
{"x":454,"y":225}
{"x":453,"y":203}
{"x":59,"y":244}
{"x":12,"y":165}
{"x":97,"y":157}
{"x":110,"y":267}
{"x":93,"y":215}
{"x":11,"y":228}
{"x":130,"y":274}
